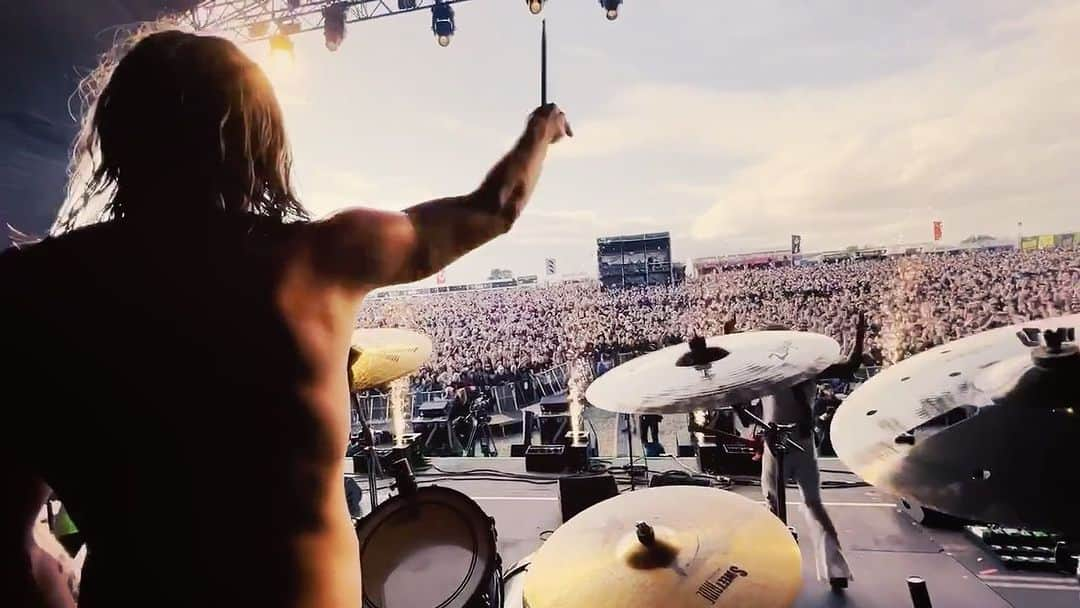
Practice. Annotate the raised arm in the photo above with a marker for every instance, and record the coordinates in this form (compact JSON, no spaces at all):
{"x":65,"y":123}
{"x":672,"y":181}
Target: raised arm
{"x":845,"y":370}
{"x":366,"y":248}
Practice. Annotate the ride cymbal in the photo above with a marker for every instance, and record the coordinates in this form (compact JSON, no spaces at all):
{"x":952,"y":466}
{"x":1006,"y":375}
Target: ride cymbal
{"x":675,"y":546}
{"x":982,"y":428}
{"x":381,"y":355}
{"x":724,"y":370}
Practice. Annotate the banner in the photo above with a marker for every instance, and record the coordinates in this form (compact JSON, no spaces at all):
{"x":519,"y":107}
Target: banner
{"x":937,"y":230}
{"x":1046,"y":241}
{"x":549,"y":266}
{"x":1029,"y":243}
{"x":796,"y":244}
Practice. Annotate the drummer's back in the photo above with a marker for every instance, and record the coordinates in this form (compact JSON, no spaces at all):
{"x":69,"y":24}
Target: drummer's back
{"x":170,"y":403}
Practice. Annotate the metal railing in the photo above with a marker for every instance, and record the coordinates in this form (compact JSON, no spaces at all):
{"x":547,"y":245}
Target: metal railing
{"x":507,"y":399}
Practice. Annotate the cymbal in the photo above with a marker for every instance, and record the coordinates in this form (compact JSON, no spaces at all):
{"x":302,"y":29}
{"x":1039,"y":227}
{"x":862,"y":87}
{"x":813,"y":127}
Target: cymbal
{"x":756,"y":364}
{"x":973,"y":428}
{"x":709,"y":547}
{"x":384,"y":354}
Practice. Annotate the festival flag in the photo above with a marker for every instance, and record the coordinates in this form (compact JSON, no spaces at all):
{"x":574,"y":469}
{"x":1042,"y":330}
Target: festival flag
{"x":440,"y":279}
{"x":937,"y":230}
{"x":549,"y":265}
{"x":796,"y":244}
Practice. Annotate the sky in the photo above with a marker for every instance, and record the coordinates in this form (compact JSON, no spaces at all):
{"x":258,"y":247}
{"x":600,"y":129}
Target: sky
{"x":731,"y":125}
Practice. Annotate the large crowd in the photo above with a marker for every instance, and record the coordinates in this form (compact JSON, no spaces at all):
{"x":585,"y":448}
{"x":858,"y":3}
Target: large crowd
{"x":911,"y":303}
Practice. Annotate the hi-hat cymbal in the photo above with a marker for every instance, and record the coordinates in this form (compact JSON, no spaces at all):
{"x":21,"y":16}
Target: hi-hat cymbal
{"x":756,"y":363}
{"x":973,"y":428}
{"x":675,"y":546}
{"x":384,"y":354}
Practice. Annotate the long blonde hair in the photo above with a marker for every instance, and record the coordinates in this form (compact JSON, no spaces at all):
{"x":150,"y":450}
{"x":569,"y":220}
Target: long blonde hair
{"x":174,"y":124}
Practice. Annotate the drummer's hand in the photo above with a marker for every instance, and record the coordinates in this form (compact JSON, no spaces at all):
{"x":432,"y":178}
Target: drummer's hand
{"x":551,"y":123}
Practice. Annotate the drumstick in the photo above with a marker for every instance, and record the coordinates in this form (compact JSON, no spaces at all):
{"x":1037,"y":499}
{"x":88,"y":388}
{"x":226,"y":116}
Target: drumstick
{"x":543,"y":63}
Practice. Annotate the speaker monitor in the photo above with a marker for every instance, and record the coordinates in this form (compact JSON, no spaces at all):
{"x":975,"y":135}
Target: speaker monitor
{"x":579,"y":493}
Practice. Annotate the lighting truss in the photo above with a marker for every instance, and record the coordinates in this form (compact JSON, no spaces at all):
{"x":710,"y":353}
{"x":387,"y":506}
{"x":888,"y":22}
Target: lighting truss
{"x":260,"y":19}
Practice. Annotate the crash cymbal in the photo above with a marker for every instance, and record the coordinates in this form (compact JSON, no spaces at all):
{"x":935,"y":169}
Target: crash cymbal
{"x":731,"y":369}
{"x":975,"y":428}
{"x":675,"y":546}
{"x":381,"y":355}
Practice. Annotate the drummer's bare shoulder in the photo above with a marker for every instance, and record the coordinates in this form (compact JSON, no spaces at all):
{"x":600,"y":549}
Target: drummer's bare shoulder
{"x":368,"y":248}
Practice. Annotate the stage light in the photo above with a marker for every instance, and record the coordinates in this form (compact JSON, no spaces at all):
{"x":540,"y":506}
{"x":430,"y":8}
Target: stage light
{"x":288,"y":28}
{"x":406,"y":5}
{"x":442,"y":23}
{"x":535,"y":6}
{"x":334,"y":26}
{"x":612,"y":8}
{"x":258,"y":30}
{"x":294,"y":4}
{"x":280,"y":44}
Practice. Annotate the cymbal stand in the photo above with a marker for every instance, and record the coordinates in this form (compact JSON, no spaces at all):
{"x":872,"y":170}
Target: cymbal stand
{"x":367,"y":442}
{"x":778,"y":438}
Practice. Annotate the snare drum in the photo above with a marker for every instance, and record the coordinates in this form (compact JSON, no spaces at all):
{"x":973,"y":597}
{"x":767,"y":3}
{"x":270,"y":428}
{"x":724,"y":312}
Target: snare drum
{"x":435,"y":548}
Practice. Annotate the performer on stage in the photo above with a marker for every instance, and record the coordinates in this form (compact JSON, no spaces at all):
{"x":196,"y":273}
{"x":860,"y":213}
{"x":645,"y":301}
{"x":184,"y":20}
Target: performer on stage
{"x":795,"y":405}
{"x":194,"y":342}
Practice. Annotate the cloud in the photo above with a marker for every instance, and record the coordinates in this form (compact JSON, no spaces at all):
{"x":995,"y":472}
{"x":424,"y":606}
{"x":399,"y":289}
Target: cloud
{"x":981,"y":136}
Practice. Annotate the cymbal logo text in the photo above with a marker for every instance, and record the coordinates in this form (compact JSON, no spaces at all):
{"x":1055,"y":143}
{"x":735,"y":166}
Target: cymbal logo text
{"x":713,"y":588}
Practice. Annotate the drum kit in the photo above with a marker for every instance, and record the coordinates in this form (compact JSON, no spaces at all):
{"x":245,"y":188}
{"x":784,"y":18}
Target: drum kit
{"x":978,"y":428}
{"x":983,"y":428}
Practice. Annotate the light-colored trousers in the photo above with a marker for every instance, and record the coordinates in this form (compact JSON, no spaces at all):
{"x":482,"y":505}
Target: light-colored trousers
{"x":803,"y":467}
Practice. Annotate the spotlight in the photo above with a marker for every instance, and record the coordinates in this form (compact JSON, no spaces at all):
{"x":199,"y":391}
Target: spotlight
{"x":258,"y":30}
{"x":280,"y":44}
{"x":406,"y":5}
{"x":442,"y":22}
{"x":288,"y":28}
{"x":612,"y":8}
{"x":334,"y":26}
{"x":535,"y":6}
{"x":294,"y":4}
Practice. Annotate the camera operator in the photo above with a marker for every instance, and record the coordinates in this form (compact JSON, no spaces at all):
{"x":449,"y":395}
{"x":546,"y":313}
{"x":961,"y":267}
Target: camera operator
{"x":470,"y":413}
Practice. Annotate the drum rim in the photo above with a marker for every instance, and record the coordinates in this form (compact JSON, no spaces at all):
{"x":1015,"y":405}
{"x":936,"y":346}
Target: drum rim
{"x":444,"y":496}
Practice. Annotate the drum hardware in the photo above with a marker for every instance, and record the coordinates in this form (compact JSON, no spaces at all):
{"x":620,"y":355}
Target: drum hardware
{"x":920,"y":595}
{"x":370,"y":458}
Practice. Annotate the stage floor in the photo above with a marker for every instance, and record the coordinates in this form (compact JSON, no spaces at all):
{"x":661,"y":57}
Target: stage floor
{"x":883,"y":546}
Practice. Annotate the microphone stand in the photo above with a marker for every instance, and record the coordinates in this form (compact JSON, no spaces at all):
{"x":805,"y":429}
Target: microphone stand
{"x":778,"y":438}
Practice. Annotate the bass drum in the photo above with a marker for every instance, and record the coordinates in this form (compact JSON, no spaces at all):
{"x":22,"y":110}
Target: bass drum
{"x":432,"y":548}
